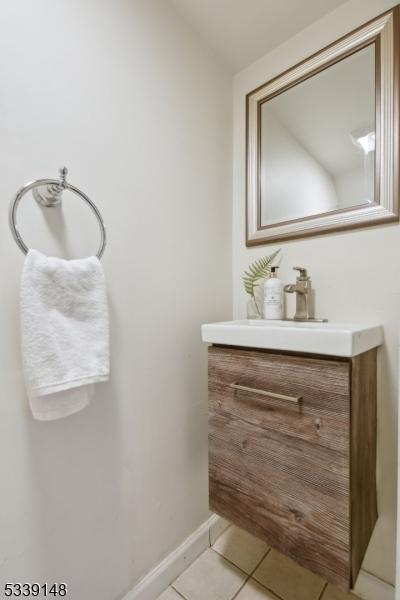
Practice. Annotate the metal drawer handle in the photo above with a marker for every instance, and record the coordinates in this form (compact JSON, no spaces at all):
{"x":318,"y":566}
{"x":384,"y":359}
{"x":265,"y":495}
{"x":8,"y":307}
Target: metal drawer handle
{"x":245,"y":388}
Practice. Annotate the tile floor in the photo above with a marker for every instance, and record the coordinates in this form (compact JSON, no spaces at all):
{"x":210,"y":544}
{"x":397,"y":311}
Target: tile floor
{"x":243,"y":567}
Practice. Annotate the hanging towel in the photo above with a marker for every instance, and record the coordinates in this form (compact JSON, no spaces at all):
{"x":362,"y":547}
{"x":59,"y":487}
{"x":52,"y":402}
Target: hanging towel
{"x":65,"y":333}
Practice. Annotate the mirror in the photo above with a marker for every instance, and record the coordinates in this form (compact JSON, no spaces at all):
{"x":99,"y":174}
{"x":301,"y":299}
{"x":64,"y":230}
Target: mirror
{"x":322,"y":131}
{"x":318,"y":135}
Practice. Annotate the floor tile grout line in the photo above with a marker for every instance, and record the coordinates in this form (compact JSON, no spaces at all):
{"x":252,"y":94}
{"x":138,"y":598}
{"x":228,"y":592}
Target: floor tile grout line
{"x":231,"y":563}
{"x":259,"y":563}
{"x":262,"y":584}
{"x":175,"y":590}
{"x":241,"y":587}
{"x":250,"y":576}
{"x":267,"y":588}
{"x":323,"y":591}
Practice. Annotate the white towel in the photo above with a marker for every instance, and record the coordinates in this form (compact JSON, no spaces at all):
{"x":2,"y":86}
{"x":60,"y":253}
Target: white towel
{"x":65,"y":333}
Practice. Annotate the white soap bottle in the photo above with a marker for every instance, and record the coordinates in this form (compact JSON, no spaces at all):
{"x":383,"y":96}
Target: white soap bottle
{"x":273,"y":297}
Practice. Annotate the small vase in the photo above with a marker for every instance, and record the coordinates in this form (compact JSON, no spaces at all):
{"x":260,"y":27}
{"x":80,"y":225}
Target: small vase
{"x":253,"y":309}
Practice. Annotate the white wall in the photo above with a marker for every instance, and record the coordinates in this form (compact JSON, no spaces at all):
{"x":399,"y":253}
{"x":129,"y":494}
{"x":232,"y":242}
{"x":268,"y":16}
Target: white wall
{"x":344,"y":267}
{"x":308,"y":191}
{"x":122,"y":93}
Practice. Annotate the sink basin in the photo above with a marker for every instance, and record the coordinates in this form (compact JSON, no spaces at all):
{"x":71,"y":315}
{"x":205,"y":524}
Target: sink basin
{"x":334,"y":339}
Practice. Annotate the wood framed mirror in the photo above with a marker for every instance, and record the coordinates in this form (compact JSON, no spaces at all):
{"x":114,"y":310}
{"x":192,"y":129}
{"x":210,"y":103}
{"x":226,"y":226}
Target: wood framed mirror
{"x":323,"y":139}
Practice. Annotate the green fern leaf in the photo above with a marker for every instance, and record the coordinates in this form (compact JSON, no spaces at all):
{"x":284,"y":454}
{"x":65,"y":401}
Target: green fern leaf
{"x":259,"y":269}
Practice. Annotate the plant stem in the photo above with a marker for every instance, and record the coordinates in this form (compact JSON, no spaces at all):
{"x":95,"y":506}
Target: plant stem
{"x":255,"y":302}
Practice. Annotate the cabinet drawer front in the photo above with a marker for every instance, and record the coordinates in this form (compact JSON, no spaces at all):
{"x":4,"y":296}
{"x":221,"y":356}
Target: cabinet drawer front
{"x":322,"y":414}
{"x":271,"y":470}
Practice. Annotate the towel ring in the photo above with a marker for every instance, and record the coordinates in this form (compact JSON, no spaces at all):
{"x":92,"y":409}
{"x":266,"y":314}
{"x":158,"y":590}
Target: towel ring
{"x":48,"y":193}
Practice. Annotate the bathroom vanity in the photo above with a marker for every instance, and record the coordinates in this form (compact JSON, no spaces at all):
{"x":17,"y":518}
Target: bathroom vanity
{"x":292,"y":438}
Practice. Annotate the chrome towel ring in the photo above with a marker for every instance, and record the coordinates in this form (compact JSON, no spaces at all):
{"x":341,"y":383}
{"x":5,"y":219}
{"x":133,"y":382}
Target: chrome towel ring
{"x":48,"y":193}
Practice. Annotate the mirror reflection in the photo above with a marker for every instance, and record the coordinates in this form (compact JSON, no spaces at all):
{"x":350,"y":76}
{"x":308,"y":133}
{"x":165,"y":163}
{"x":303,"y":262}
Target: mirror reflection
{"x":317,"y":143}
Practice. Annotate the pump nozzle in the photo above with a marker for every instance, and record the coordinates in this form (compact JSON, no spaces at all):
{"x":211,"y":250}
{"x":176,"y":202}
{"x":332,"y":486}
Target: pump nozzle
{"x":273,"y":271}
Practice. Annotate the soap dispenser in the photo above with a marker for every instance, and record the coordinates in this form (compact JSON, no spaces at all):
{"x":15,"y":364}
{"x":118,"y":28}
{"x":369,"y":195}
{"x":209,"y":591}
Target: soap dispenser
{"x":273,"y":297}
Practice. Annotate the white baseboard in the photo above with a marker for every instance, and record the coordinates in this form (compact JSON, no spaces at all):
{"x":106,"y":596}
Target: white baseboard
{"x":217,"y":527}
{"x":159,"y":578}
{"x":154,"y":583}
{"x":369,"y":587}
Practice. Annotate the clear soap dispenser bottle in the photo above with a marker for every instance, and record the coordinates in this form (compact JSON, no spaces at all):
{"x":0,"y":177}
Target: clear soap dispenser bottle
{"x":273,"y":297}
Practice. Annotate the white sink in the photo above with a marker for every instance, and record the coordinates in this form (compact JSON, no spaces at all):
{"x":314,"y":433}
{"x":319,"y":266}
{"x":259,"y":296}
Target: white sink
{"x":334,"y":339}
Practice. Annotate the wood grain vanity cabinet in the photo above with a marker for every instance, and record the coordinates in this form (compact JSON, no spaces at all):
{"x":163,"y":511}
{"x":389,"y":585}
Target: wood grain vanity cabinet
{"x":292,"y":459}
